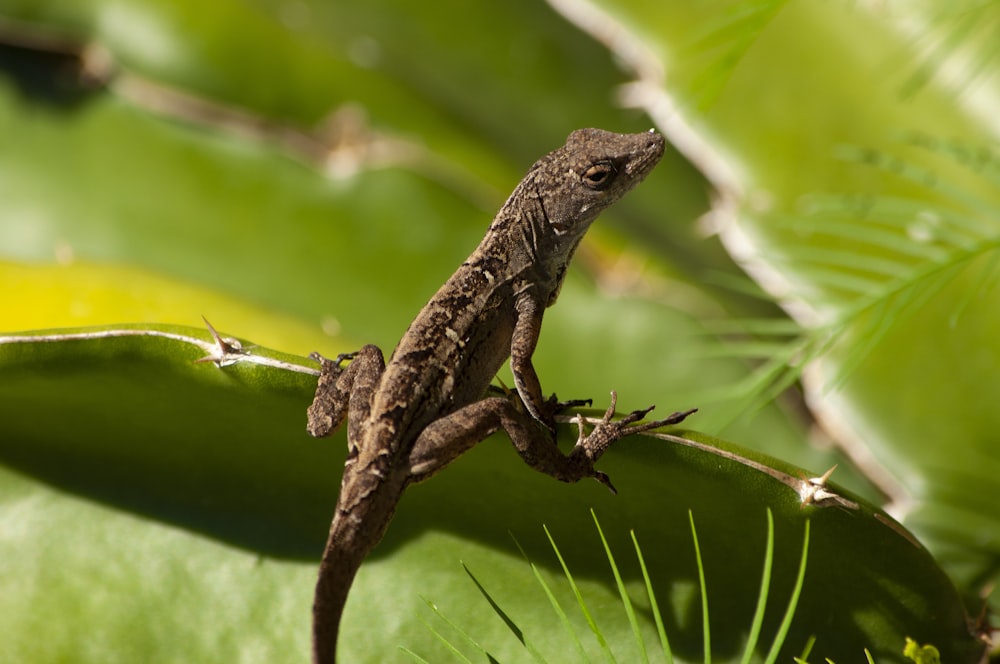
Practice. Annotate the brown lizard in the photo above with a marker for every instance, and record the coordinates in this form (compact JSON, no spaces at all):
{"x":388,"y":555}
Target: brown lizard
{"x":410,"y":417}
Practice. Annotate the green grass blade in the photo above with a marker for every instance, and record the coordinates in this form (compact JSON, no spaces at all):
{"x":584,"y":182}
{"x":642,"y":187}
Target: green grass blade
{"x":779,"y":638}
{"x":706,"y":631}
{"x":807,"y":650}
{"x":657,"y":618}
{"x":765,"y":584}
{"x":443,"y":639}
{"x":414,"y":655}
{"x":579,"y":598}
{"x":511,"y":625}
{"x":563,"y":617}
{"x":626,"y":601}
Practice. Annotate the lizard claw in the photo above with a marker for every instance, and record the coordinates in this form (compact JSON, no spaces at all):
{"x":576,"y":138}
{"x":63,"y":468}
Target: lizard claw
{"x":559,"y":406}
{"x":590,"y":447}
{"x":334,"y":364}
{"x":552,"y":407}
{"x":606,"y":481}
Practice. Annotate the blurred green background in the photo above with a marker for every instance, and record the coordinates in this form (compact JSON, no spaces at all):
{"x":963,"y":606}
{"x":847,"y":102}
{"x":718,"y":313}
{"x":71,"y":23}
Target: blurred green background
{"x":305,"y":174}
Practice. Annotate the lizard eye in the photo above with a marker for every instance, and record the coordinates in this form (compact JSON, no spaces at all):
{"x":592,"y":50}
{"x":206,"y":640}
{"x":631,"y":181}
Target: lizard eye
{"x":599,"y":175}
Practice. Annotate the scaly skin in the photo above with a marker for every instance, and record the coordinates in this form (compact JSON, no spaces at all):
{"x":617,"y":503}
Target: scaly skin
{"x":410,"y":417}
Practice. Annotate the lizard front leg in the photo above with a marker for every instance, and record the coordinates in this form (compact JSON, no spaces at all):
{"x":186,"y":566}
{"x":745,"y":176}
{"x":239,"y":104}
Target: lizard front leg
{"x":529,"y":310}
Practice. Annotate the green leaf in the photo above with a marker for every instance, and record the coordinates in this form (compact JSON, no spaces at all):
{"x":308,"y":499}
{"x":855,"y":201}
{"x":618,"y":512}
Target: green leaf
{"x":308,"y":175}
{"x":868,"y":210}
{"x":195,"y":479}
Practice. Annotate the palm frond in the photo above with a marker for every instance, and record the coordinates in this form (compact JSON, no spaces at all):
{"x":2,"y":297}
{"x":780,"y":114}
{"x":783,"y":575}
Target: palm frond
{"x":962,"y":33}
{"x":878,"y":259}
{"x":726,"y":39}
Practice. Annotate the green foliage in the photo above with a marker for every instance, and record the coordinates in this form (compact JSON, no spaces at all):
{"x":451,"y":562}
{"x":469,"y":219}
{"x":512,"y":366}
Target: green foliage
{"x":306,"y":174}
{"x":795,"y":631}
{"x":921,"y":654}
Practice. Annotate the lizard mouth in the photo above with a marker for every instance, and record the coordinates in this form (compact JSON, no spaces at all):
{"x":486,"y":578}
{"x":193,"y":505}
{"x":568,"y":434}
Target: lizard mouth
{"x":647,"y":157}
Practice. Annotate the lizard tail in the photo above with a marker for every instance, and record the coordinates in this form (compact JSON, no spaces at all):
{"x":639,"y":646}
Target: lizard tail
{"x":335,"y":578}
{"x":346,"y":548}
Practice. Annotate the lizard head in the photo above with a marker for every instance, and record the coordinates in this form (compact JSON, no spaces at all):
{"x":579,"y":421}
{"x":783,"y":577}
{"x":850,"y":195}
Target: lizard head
{"x":595,"y":168}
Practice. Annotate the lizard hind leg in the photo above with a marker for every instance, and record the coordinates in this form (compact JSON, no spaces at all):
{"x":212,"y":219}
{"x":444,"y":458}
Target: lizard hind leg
{"x":342,"y":392}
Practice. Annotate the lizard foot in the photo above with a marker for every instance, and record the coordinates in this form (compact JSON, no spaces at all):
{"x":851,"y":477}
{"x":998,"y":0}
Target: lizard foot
{"x":560,"y":406}
{"x":329,"y":406}
{"x":591,"y":447}
{"x":332,"y":366}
